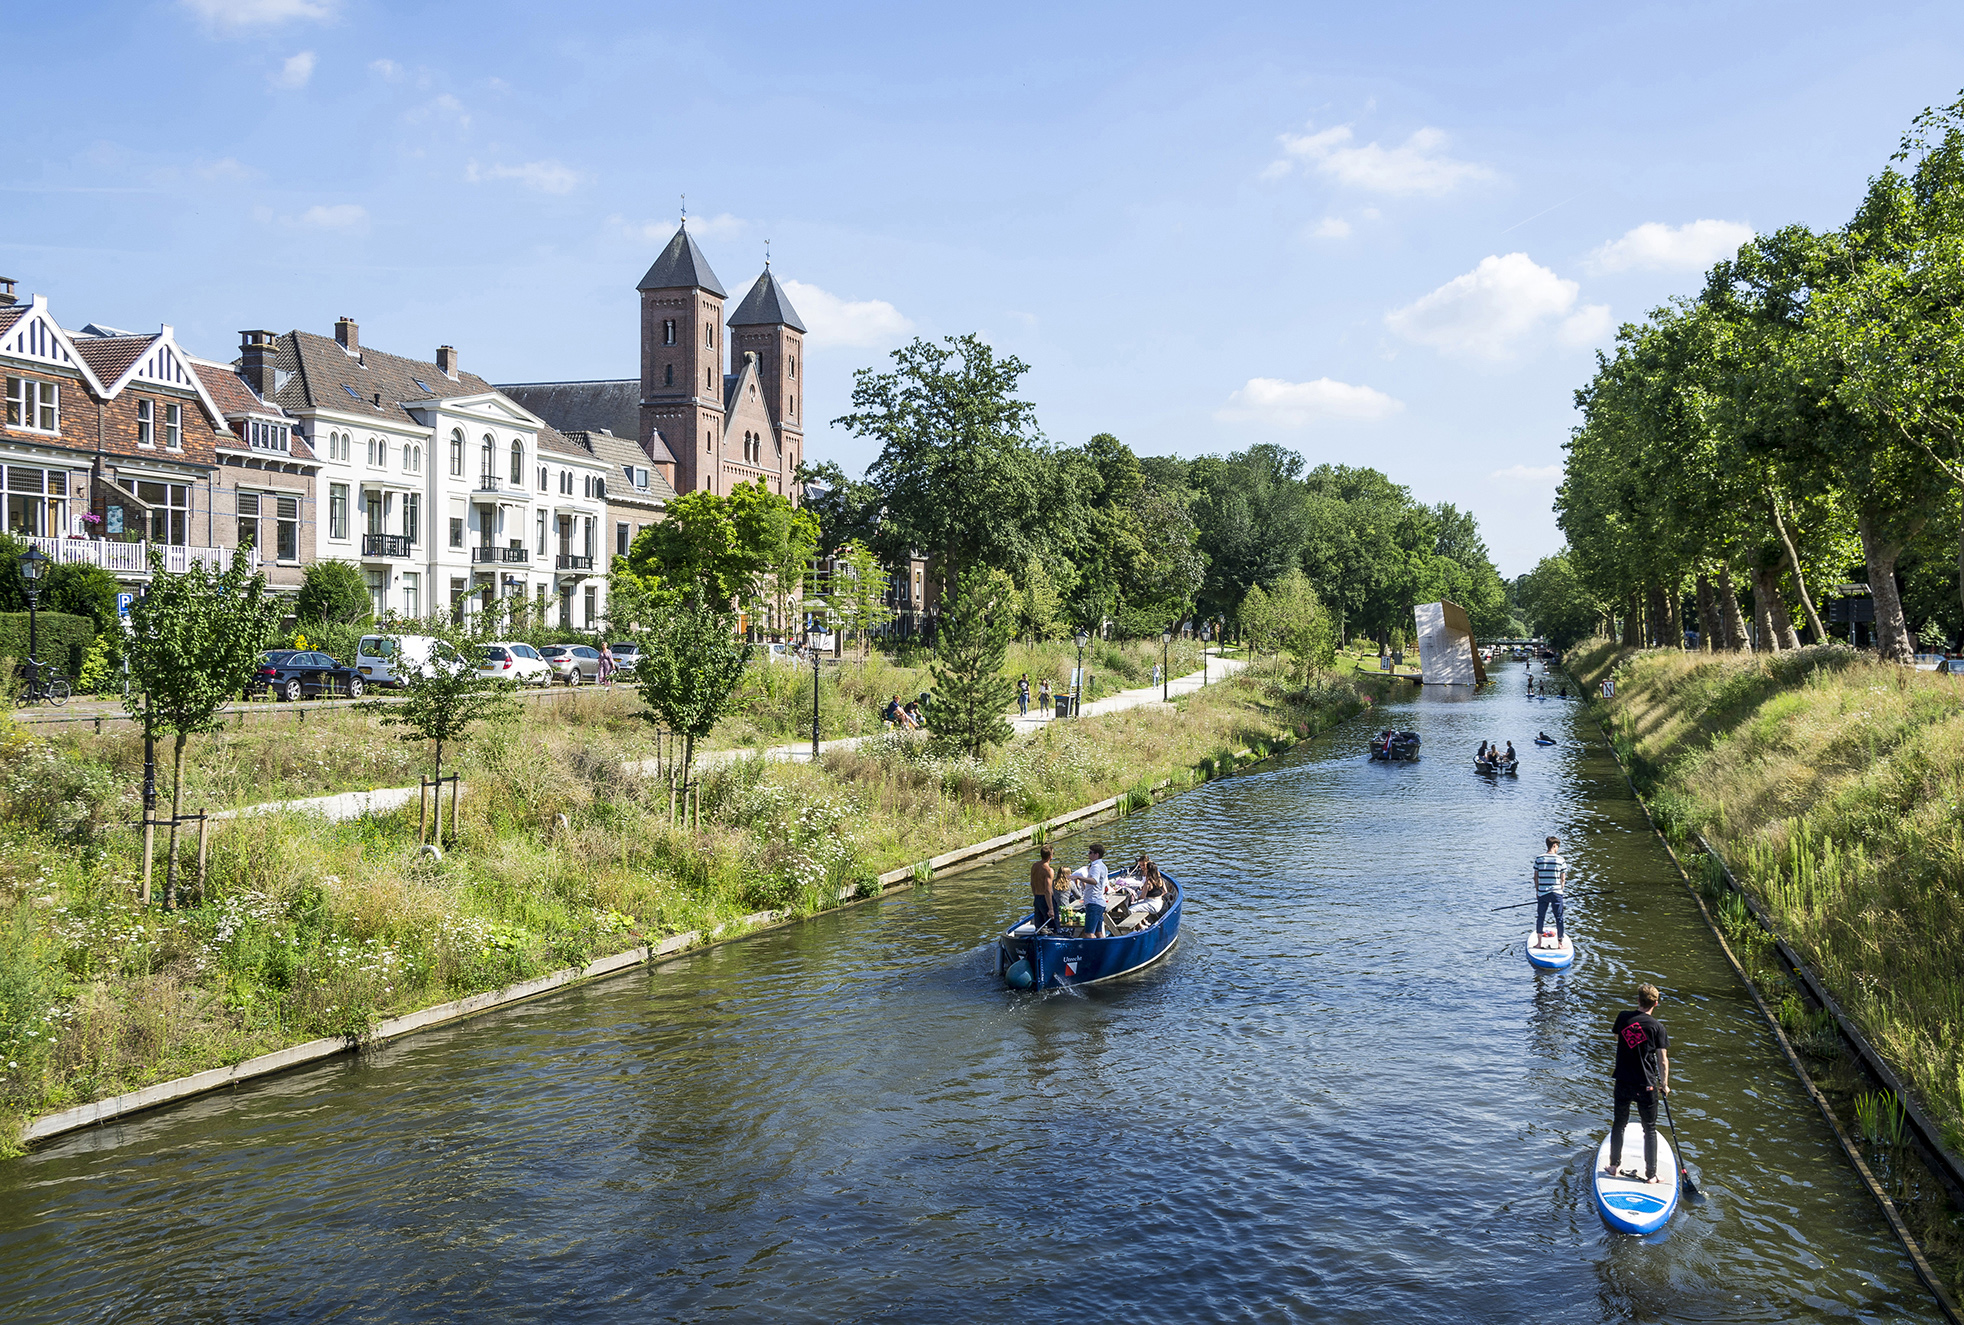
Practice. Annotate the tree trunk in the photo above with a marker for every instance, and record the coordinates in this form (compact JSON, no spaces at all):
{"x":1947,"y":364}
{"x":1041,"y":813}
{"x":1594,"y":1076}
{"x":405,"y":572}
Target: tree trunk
{"x":1766,"y":602}
{"x":1892,"y":640}
{"x":1734,"y":621}
{"x":176,"y":808}
{"x":1783,"y":619}
{"x":1633,"y":623}
{"x":1711,"y":634}
{"x":1674,"y":617}
{"x":1793,"y":561}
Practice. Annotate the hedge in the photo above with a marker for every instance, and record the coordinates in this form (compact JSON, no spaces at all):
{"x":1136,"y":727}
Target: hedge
{"x":64,"y":639}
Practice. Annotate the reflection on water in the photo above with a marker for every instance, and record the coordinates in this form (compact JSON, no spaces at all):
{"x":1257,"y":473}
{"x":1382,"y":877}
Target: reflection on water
{"x":1345,"y":1097}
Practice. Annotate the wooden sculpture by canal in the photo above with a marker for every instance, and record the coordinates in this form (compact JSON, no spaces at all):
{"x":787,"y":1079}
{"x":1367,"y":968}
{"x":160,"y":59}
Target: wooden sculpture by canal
{"x":1140,"y":926}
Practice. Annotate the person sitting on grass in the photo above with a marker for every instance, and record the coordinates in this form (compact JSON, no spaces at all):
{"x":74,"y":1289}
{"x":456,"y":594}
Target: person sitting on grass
{"x":892,"y":713}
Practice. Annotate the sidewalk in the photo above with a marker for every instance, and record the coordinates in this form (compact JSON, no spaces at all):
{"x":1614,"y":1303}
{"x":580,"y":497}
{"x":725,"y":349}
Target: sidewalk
{"x":354,"y":804}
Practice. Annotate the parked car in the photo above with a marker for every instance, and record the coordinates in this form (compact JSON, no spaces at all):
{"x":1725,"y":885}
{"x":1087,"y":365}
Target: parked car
{"x":514,"y":661}
{"x":376,"y":660}
{"x":777,"y":653}
{"x":627,"y":655}
{"x":1954,"y":666}
{"x":293,"y":674}
{"x":575,"y":664}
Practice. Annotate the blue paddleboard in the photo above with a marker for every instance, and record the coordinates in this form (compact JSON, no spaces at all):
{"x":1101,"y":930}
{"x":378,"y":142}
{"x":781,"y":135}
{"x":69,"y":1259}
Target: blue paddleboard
{"x":1553,"y":957}
{"x":1631,"y":1205}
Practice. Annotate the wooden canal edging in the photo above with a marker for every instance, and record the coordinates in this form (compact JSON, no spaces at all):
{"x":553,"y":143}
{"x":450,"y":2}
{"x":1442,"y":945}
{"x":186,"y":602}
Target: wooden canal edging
{"x":161,"y":1093}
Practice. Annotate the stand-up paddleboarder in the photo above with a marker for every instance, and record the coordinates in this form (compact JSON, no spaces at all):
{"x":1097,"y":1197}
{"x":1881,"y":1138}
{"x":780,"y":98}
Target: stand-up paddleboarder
{"x":1642,"y":1073}
{"x":1550,"y":876}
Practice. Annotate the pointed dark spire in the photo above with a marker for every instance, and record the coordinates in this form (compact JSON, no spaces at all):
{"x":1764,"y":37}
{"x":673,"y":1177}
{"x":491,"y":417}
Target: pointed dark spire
{"x":682,"y":266}
{"x":766,"y":306}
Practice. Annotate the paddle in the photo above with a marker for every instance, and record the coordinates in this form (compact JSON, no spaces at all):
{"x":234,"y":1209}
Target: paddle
{"x":1691,"y":1192}
{"x":1567,"y":897}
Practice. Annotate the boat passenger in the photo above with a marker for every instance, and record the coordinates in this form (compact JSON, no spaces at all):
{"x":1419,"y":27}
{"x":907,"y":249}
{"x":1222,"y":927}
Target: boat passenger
{"x":1155,"y":884}
{"x":1096,"y":898}
{"x":1544,"y":737}
{"x":1480,"y":755}
{"x":1043,"y":885}
{"x":1642,"y":1073}
{"x":1550,"y":875}
{"x":1511,"y":756}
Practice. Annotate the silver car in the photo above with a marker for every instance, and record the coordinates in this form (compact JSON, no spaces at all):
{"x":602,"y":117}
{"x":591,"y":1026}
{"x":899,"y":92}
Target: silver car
{"x":575,"y":664}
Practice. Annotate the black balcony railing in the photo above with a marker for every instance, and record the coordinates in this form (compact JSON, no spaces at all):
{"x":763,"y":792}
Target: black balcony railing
{"x":567,"y":561}
{"x":386,"y":545}
{"x":507,"y":555}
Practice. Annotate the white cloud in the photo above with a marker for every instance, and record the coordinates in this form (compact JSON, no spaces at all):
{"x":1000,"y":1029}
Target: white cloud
{"x":1654,"y":246}
{"x":1294,"y":404}
{"x":1538,"y":474}
{"x":538,"y":176}
{"x":338,"y":216}
{"x":225,"y":168}
{"x":833,"y":321}
{"x":1417,"y":165}
{"x":258,"y":13}
{"x":295,"y":72}
{"x":1331,"y":227}
{"x":388,"y":69}
{"x":1490,"y":310}
{"x":1587,"y":325}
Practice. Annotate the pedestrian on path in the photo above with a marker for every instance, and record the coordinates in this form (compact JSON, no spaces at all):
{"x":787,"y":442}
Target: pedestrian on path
{"x":1023,"y":695}
{"x":606,"y":665}
{"x":1043,"y":695}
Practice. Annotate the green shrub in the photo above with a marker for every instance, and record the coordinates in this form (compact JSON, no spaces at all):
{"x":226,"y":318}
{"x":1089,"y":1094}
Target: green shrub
{"x":64,"y":639}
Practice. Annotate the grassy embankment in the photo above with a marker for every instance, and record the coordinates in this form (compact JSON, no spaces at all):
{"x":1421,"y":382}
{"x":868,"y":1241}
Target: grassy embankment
{"x":309,"y":928}
{"x":1834,"y":787}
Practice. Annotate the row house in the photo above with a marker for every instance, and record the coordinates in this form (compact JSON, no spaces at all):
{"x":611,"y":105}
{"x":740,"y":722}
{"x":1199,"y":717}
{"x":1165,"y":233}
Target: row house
{"x":110,"y":444}
{"x":447,"y":493}
{"x":638,"y":493}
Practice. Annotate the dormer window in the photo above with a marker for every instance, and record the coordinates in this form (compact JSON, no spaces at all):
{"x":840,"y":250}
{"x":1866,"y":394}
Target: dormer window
{"x":262,"y":435}
{"x":640,"y":477}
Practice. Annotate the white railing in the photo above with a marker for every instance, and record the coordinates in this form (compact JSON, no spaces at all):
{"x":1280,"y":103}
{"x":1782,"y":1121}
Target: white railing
{"x":133,"y":558}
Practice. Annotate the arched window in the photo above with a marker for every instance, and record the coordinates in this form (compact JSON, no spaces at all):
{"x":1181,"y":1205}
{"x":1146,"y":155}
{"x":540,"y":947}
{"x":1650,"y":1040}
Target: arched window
{"x":457,"y":451}
{"x":517,"y":462}
{"x":487,"y":469}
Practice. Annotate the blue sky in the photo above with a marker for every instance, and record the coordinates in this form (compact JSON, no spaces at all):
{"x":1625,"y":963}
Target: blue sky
{"x":1390,"y":235}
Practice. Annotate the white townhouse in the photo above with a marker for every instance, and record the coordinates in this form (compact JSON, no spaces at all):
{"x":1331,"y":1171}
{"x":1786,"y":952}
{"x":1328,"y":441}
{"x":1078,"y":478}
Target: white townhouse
{"x":443,"y":490}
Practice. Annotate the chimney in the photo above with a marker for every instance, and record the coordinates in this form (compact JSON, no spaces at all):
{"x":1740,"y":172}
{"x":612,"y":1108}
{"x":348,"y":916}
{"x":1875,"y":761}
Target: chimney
{"x":256,"y":350}
{"x":346,"y":332}
{"x":6,"y":291}
{"x":446,"y":361}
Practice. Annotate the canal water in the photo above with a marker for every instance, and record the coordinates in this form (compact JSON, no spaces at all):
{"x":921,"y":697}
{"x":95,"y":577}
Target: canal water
{"x":1345,"y":1097}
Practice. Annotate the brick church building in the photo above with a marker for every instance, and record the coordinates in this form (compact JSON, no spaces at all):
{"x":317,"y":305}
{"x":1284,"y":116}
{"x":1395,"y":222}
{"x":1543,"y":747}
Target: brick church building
{"x":719,"y":402}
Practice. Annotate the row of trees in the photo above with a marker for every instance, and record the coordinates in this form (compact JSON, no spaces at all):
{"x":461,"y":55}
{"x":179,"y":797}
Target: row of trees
{"x":1798,"y":423}
{"x":1092,"y":535}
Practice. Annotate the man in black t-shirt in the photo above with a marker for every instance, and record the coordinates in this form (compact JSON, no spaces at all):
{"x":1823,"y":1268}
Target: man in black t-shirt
{"x":1643,"y":1071}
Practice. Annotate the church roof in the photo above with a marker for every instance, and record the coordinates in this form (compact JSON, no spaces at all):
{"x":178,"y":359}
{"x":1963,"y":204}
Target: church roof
{"x":766,"y":305}
{"x":682,"y":266}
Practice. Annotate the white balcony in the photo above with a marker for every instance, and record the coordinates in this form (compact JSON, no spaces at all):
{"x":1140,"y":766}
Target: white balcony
{"x":134,"y":558}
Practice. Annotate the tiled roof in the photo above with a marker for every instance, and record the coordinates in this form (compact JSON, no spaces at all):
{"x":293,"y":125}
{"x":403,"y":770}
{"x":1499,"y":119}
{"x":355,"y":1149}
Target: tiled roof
{"x":682,"y":266}
{"x":625,"y":454}
{"x":551,"y":439}
{"x":314,"y":372}
{"x":766,"y":305}
{"x":13,"y":314}
{"x":614,"y":406}
{"x":236,"y":397}
{"x":109,"y":357}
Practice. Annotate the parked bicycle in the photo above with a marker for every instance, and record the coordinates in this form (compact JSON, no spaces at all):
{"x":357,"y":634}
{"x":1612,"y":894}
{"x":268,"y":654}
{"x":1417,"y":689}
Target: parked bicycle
{"x":51,"y":686}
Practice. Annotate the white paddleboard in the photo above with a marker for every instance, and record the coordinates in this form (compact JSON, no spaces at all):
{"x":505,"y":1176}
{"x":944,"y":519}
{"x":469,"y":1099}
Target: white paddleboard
{"x":1556,"y":955}
{"x":1631,"y":1205}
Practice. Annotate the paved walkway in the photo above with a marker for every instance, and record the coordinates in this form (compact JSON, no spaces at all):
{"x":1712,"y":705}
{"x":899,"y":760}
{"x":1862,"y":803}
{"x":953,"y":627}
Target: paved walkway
{"x":354,"y":804}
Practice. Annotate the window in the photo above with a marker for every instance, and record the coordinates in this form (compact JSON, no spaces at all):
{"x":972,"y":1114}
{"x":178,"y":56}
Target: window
{"x":668,"y":374}
{"x":592,"y":611}
{"x":668,"y":331}
{"x":33,"y":404}
{"x":456,"y":531}
{"x":288,"y":530}
{"x":412,"y":517}
{"x":517,"y":464}
{"x":412,"y":459}
{"x":641,"y":479}
{"x":709,"y":379}
{"x":248,"y":519}
{"x":351,"y":391}
{"x":264,"y":436}
{"x":378,"y":589}
{"x":542,"y":533}
{"x":709,"y":335}
{"x":565,"y":482}
{"x":170,"y":509}
{"x":378,"y":452}
{"x":588,"y":539}
{"x":37,"y":503}
{"x":457,"y":451}
{"x":791,"y":366}
{"x":600,"y":487}
{"x":337,"y":510}
{"x":412,"y":594}
{"x":544,"y":477}
{"x":487,"y":473}
{"x":146,"y":423}
{"x":375,"y":509}
{"x":174,"y":426}
{"x":620,"y":539}
{"x":421,"y":385}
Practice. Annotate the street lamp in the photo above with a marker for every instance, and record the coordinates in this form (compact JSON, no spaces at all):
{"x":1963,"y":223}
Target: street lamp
{"x":814,"y":649}
{"x":33,"y":564}
{"x":1077,"y":681}
{"x":1165,"y":666}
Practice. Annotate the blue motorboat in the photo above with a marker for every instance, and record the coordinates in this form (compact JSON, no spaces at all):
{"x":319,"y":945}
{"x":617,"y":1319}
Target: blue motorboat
{"x":1051,"y":960}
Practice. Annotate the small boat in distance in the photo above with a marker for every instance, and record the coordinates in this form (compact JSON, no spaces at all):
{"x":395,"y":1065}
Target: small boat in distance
{"x":1495,"y":765}
{"x":1144,"y":932}
{"x":1395,"y":746}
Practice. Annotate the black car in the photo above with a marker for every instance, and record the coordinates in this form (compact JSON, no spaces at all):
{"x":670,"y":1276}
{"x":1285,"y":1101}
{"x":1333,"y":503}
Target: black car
{"x":297,"y":673}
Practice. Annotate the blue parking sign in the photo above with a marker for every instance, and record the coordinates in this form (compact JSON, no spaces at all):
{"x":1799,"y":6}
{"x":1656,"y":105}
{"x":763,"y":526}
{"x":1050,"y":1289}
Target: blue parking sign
{"x":123,"y":601}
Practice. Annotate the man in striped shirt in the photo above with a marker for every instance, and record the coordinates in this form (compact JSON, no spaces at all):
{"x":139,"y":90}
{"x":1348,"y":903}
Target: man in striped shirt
{"x":1550,"y":873}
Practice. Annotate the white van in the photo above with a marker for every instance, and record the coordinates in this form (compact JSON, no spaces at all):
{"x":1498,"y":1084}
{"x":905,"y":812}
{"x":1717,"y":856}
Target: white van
{"x":377,"y":664}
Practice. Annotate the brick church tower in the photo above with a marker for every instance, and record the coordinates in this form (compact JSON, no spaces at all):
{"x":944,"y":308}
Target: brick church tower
{"x":766,"y":325}
{"x":681,"y":363}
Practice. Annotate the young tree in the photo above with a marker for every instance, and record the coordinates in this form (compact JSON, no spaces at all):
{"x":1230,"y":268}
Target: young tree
{"x":971,"y":647}
{"x":1256,"y":616}
{"x":1301,"y":625}
{"x":443,"y":696}
{"x":1038,"y":602}
{"x":333,"y":592}
{"x":691,"y":661}
{"x":858,"y":593}
{"x":194,"y":640}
